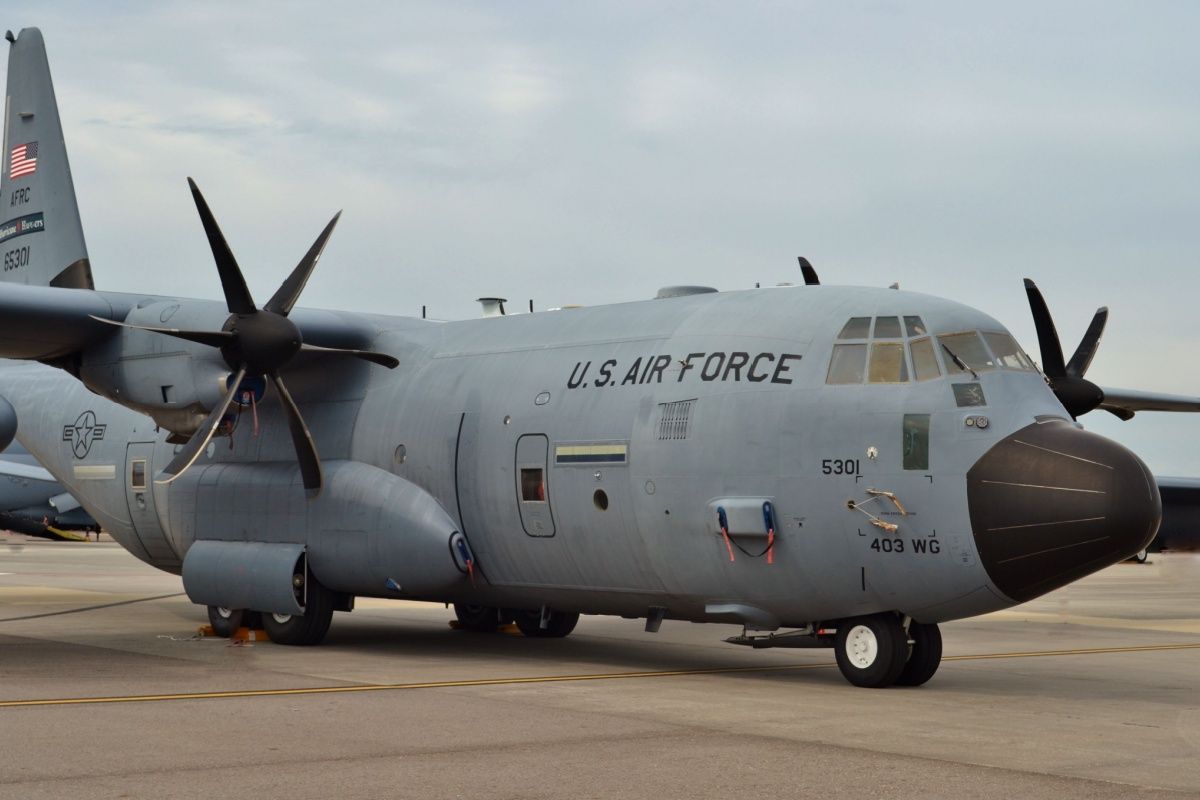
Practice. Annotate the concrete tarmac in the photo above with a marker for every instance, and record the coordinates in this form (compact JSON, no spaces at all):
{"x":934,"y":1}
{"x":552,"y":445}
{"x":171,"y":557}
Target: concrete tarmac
{"x":105,"y":692}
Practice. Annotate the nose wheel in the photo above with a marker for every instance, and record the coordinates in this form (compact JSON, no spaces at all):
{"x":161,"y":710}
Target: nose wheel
{"x":874,"y":651}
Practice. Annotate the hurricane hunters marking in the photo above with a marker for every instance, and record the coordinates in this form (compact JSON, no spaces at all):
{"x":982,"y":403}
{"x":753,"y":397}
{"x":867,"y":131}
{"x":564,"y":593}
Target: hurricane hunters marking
{"x":881,"y":460}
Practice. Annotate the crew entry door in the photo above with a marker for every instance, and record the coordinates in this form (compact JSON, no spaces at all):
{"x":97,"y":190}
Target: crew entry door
{"x":139,"y":493}
{"x":533,"y":491}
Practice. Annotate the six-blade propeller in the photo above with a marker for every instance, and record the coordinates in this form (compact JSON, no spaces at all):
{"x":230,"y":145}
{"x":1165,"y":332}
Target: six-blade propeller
{"x":257,"y":342}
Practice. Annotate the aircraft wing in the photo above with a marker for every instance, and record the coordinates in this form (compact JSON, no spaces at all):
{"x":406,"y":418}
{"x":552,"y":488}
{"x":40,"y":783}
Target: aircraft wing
{"x":1125,"y":402}
{"x":42,"y":322}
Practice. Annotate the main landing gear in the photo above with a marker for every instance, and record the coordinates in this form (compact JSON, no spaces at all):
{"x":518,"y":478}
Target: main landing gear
{"x":544,"y":624}
{"x":304,"y":630}
{"x":876,"y":651}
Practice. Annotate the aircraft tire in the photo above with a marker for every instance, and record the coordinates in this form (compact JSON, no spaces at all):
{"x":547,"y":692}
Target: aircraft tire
{"x":926,"y":654}
{"x":1142,"y":555}
{"x":482,"y":619}
{"x":306,"y":630}
{"x":871,"y":651}
{"x":225,"y":621}
{"x":559,"y":625}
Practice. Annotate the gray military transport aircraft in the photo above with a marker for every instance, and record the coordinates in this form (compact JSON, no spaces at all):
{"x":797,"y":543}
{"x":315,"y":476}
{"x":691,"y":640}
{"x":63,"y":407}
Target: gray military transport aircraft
{"x":850,"y":465}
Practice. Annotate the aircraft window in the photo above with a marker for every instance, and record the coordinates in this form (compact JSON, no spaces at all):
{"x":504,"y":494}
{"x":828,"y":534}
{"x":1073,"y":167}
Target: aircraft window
{"x":1008,"y":354}
{"x":887,"y":327}
{"x":915,"y":326}
{"x":967,"y":346}
{"x":137,"y":474}
{"x":856,"y":328}
{"x":916,"y":441}
{"x":887,"y":364}
{"x":848,"y":364}
{"x":925,"y":365}
{"x":533,"y":485}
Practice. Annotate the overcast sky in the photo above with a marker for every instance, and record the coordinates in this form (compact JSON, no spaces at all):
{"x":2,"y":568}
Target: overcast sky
{"x":575,"y":153}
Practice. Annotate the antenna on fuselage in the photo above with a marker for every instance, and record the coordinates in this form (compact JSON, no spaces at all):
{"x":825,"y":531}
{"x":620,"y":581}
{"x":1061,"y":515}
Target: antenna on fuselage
{"x":493,"y":306}
{"x":810,"y":274}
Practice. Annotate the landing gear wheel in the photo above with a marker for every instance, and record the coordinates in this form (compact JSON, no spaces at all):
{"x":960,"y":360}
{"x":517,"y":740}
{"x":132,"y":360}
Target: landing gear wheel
{"x":926,"y":654}
{"x":1142,"y":555}
{"x":306,"y":630}
{"x":559,"y":625}
{"x":225,"y":621}
{"x":482,"y":619}
{"x":871,"y":651}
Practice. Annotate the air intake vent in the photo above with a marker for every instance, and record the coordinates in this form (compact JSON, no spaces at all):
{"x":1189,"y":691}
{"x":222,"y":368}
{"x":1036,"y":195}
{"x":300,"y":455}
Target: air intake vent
{"x":674,"y":421}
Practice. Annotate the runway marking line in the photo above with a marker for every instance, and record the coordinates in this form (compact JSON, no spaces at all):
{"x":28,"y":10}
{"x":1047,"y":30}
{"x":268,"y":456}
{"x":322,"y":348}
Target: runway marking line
{"x":143,"y":698}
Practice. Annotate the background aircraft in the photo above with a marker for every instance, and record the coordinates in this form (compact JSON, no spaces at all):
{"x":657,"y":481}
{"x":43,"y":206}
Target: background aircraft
{"x":31,"y":500}
{"x":856,"y":464}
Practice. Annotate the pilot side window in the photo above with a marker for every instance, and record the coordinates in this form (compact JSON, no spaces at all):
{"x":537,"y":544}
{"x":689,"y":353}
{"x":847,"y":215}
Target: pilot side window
{"x":969,"y":348}
{"x":1008,"y":354}
{"x":887,"y":363}
{"x":925,"y":365}
{"x":856,"y":328}
{"x":848,"y":364}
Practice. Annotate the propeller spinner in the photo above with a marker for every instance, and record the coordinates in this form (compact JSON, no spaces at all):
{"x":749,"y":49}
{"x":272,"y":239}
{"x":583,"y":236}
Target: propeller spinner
{"x":1077,"y":394}
{"x":257,"y":342}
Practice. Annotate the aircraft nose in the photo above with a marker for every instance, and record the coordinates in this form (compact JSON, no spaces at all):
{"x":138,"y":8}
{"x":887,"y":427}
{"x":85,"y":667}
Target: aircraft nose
{"x":1052,"y":503}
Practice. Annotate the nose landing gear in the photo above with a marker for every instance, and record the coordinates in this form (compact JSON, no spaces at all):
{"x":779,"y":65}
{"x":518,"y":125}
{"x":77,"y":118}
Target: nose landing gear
{"x":877,"y":651}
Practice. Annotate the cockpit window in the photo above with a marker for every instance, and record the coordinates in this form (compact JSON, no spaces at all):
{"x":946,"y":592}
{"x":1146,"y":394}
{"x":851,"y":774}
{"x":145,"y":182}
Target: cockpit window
{"x":1008,"y":354}
{"x":848,"y":364}
{"x":856,"y":328}
{"x":887,"y":363}
{"x":968,"y":347}
{"x":915,"y":326}
{"x":925,"y":364}
{"x":887,"y":327}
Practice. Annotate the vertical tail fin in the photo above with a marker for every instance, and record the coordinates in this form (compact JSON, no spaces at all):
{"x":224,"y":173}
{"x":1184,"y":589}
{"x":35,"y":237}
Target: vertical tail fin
{"x":41,"y":238}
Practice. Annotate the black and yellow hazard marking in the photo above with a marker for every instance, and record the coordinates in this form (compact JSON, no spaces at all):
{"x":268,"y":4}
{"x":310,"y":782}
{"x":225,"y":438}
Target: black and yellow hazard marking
{"x":591,"y":453}
{"x":604,"y":676}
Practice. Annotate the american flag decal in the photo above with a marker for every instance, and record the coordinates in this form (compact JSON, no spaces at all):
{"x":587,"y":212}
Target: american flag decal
{"x":23,"y":160}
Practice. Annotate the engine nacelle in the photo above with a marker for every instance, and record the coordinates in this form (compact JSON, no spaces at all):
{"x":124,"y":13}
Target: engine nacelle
{"x":173,"y":381}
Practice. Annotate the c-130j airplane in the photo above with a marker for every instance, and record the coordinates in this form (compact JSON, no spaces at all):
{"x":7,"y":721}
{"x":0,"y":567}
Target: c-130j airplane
{"x":826,"y":466}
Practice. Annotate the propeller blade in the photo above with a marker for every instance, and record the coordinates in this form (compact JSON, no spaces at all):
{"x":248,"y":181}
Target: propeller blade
{"x":210,"y":338}
{"x":200,"y":439}
{"x":306,"y":450}
{"x":1123,"y":414}
{"x":810,"y":274}
{"x":237,"y":294}
{"x":1052,"y":352}
{"x":289,"y":292}
{"x":382,"y":359}
{"x":1082,"y":359}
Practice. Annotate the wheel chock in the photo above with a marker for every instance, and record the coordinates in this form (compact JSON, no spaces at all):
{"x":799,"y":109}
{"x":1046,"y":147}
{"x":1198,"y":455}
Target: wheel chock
{"x":250,"y":635}
{"x":455,"y":625}
{"x":205,"y":630}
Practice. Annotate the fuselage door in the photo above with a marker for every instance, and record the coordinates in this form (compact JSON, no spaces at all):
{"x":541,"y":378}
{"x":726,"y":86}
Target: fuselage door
{"x":139,"y":493}
{"x":533,"y":495}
